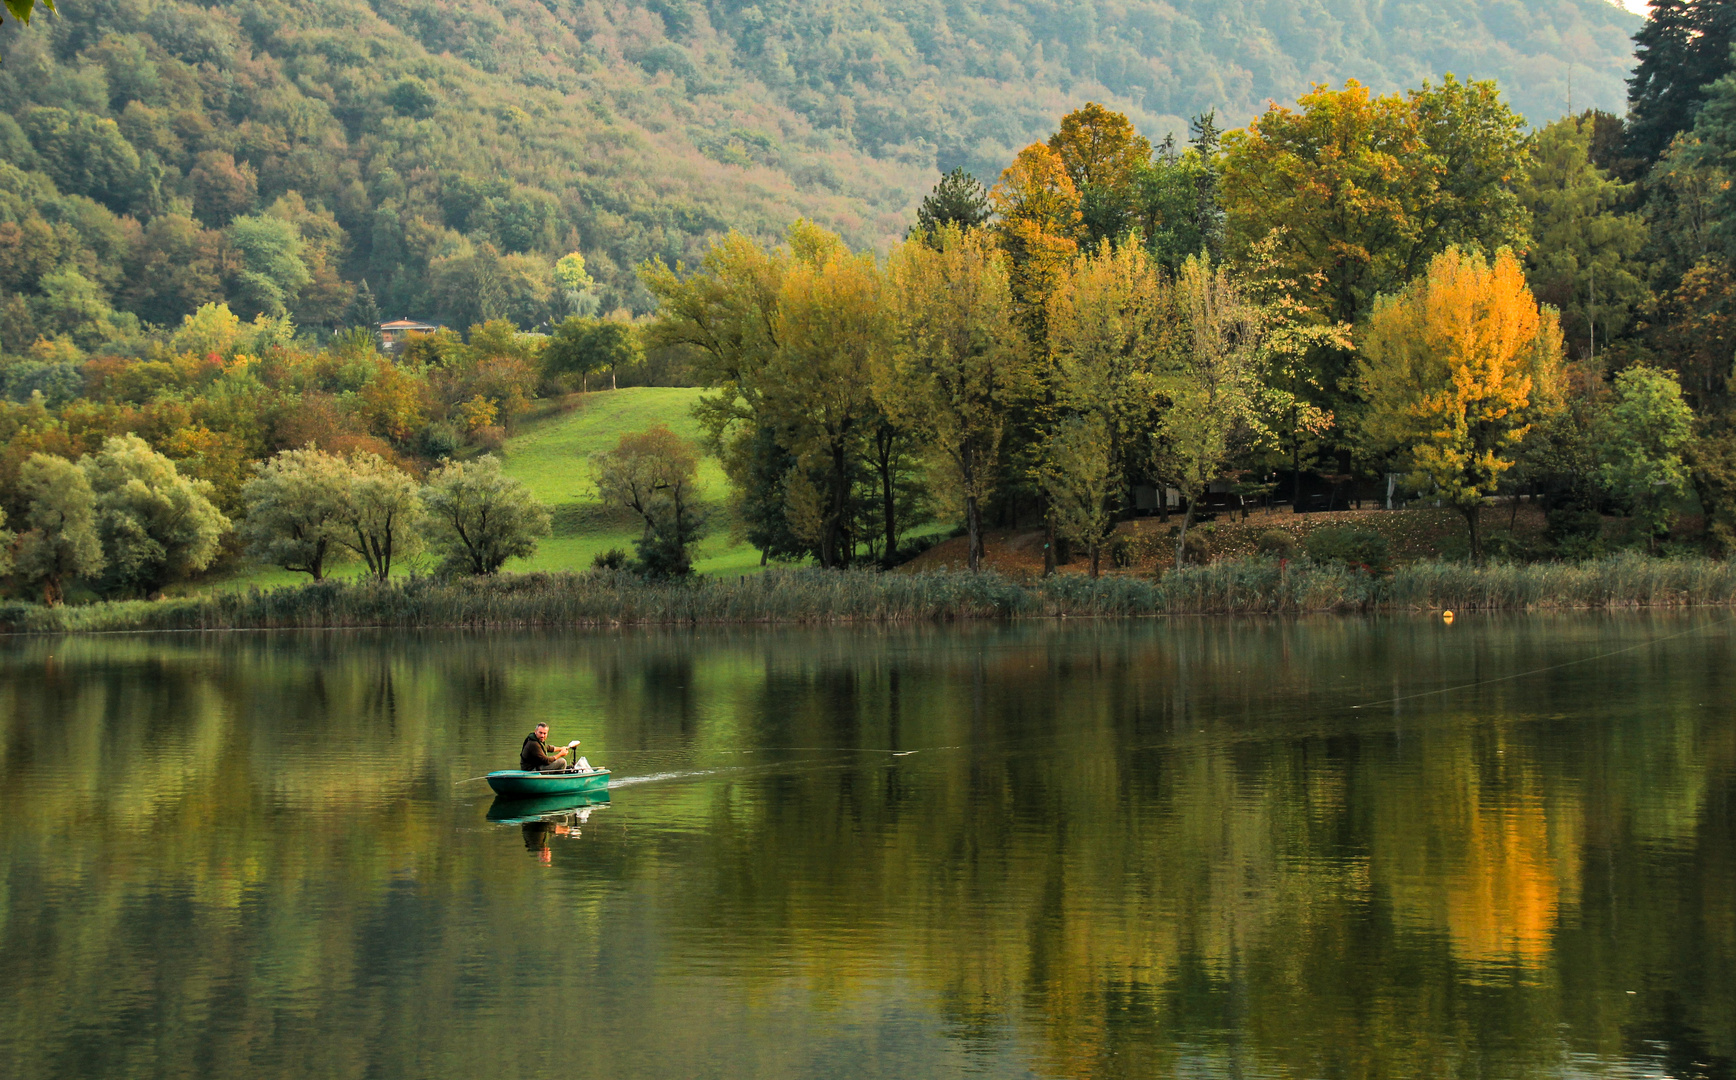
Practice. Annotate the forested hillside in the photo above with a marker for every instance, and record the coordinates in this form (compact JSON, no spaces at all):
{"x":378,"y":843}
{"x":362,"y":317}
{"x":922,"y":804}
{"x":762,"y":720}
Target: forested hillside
{"x":155,"y":156}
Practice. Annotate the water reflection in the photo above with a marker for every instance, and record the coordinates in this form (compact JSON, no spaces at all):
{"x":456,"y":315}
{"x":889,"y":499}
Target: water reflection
{"x":1117,"y":850}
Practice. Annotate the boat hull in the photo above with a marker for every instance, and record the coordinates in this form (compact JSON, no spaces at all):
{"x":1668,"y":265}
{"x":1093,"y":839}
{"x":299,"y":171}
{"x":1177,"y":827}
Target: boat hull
{"x":518,"y":784}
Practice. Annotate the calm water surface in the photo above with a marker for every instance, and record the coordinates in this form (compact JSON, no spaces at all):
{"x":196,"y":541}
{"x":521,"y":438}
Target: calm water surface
{"x":1101,"y":849}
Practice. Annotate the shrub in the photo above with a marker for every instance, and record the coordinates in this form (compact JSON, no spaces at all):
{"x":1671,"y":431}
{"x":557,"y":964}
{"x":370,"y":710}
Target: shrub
{"x":1574,"y":532}
{"x":613,"y":559}
{"x":1196,"y":548}
{"x":1121,"y":552}
{"x":1350,"y":546}
{"x":440,"y":441}
{"x":1277,"y":543}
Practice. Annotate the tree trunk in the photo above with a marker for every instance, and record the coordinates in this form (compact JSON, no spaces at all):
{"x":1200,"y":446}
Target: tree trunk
{"x":973,"y":525}
{"x":1472,"y":514}
{"x":612,"y":385}
{"x":973,"y":515}
{"x":1096,"y":552}
{"x":888,"y":493}
{"x":1048,"y":538}
{"x":1181,"y":537}
{"x":831,"y":538}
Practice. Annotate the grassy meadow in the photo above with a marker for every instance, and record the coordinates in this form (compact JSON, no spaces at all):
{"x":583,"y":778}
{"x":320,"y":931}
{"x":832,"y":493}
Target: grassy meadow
{"x":550,"y":454}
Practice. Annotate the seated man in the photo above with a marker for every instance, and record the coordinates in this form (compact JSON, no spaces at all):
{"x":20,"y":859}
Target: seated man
{"x":536,"y":756}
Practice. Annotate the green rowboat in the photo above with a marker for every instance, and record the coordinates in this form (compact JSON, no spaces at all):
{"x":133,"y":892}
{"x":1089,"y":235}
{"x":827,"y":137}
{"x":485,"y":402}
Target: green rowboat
{"x":518,"y":784}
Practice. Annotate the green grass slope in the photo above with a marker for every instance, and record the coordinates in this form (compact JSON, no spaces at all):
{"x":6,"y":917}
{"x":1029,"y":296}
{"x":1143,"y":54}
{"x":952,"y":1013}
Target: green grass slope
{"x":551,"y":456}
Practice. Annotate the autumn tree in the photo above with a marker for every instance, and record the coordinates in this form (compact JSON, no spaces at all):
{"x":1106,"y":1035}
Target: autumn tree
{"x":1081,"y":481}
{"x":1217,"y":402}
{"x":1349,"y":196}
{"x":956,"y":362}
{"x":655,"y":474}
{"x":785,"y":338}
{"x":1103,"y":156}
{"x":1456,"y":367}
{"x":1039,"y":225}
{"x":1112,"y":325}
{"x":817,"y":390}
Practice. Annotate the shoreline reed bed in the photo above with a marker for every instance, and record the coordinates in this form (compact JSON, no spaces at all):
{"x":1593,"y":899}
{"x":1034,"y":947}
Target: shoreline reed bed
{"x":597,"y":599}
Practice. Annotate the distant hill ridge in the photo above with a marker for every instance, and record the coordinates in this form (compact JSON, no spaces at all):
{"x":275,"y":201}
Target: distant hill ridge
{"x":415,"y":131}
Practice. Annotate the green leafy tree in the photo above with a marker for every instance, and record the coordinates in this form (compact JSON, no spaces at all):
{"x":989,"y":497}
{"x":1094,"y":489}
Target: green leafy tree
{"x":478,"y":517}
{"x":61,"y":540}
{"x":1683,"y":48}
{"x":271,"y":272}
{"x":959,"y":199}
{"x":1585,"y":256}
{"x":581,"y":345}
{"x":382,"y":518}
{"x":1081,"y":482}
{"x":156,"y":525}
{"x":1643,"y":439}
{"x":576,"y":289}
{"x":1177,"y":205}
{"x":1214,"y":383}
{"x":297,"y":510}
{"x":654,"y":473}
{"x":364,"y":310}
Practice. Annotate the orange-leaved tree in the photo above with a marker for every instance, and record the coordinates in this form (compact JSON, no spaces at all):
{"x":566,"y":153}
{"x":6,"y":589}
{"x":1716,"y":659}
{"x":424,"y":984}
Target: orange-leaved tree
{"x":1103,"y":156}
{"x":1039,"y":225}
{"x":1456,"y":367}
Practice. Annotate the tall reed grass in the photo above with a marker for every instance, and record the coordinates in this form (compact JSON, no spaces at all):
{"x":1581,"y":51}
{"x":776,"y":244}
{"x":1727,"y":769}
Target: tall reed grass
{"x":1252,"y":586}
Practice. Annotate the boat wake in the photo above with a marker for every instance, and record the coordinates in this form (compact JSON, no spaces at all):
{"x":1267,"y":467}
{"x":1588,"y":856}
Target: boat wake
{"x":653,"y":778}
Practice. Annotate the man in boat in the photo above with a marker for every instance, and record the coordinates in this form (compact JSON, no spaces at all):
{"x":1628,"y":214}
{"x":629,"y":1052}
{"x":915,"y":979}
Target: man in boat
{"x":537,"y":756}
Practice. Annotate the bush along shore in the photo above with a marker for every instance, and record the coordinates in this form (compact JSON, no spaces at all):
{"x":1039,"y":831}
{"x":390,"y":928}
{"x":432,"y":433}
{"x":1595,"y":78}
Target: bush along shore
{"x":612,"y":598}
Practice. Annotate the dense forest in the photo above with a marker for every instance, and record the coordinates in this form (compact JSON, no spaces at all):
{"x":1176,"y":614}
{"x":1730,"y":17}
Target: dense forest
{"x":447,"y":155}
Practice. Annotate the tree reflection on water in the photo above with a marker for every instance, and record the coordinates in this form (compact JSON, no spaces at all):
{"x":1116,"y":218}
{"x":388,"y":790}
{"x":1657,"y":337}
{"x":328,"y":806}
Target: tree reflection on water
{"x":1119,"y":849}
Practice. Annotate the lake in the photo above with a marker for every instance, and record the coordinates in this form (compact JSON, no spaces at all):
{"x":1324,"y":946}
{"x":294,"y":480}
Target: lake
{"x":1317,"y":848}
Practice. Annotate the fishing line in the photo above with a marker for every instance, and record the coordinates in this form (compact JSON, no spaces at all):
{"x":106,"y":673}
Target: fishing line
{"x":1552,"y":667}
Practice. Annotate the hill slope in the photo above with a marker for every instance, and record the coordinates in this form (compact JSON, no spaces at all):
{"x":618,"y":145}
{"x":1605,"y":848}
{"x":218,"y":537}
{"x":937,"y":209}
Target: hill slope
{"x":447,"y":154}
{"x":551,"y":457}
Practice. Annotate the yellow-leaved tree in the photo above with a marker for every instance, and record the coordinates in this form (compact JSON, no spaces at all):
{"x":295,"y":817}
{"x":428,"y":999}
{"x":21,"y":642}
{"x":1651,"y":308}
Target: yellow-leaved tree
{"x":1112,"y":324}
{"x":1456,"y":368}
{"x":1039,"y":225}
{"x":955,"y":363}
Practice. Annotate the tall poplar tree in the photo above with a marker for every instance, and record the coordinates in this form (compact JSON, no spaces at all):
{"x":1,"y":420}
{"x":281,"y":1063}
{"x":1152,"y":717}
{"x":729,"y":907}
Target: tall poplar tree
{"x":956,"y":362}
